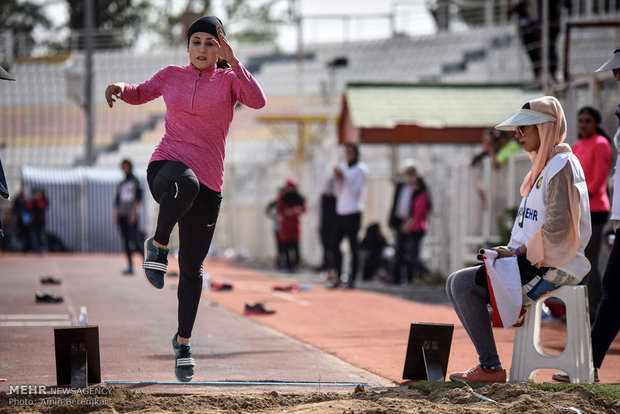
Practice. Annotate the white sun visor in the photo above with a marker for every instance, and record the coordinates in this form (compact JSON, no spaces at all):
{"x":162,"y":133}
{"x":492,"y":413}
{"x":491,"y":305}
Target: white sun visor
{"x":525,"y":117}
{"x":613,"y":63}
{"x":5,"y":75}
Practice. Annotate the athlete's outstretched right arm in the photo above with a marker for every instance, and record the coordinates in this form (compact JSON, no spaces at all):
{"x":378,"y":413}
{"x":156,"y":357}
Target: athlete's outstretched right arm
{"x":137,"y":94}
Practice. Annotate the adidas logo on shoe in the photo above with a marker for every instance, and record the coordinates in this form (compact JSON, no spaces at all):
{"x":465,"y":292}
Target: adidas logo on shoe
{"x":155,"y":263}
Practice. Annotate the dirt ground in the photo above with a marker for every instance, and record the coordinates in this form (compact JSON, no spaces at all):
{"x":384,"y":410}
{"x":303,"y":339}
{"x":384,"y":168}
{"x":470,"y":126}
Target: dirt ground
{"x":507,"y":398}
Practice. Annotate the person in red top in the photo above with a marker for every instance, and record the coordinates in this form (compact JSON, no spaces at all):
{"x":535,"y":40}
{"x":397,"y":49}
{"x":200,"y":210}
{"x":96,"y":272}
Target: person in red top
{"x":37,"y":207}
{"x":291,"y":205}
{"x":416,"y":227}
{"x":594,"y":153}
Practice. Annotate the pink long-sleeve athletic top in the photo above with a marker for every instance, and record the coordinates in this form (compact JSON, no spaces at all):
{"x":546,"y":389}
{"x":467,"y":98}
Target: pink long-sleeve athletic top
{"x":199,"y":111}
{"x":595,"y":155}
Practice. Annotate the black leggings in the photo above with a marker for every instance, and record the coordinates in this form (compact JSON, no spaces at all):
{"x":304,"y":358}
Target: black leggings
{"x":290,"y":254}
{"x":131,"y":239}
{"x":416,"y":269}
{"x":195,"y":207}
{"x":607,"y":323}
{"x":592,"y":252}
{"x":346,"y":226}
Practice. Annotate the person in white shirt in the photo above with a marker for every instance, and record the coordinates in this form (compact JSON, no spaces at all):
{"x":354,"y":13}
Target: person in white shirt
{"x":549,"y":236}
{"x":349,"y":188}
{"x":607,"y":324}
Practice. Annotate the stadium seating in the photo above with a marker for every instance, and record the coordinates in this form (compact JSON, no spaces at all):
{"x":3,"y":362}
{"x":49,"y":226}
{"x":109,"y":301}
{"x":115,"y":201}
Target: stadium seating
{"x":43,"y":125}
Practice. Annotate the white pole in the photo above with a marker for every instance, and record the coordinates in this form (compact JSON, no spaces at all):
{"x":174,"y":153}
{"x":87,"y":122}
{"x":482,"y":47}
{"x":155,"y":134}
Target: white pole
{"x":88,"y":82}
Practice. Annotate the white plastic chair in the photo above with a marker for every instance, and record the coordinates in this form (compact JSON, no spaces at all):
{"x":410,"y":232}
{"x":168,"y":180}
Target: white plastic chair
{"x":528,"y":355}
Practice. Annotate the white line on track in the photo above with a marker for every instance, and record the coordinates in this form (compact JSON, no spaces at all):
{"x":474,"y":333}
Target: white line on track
{"x":35,"y":323}
{"x":34,"y":316}
{"x":290,"y":298}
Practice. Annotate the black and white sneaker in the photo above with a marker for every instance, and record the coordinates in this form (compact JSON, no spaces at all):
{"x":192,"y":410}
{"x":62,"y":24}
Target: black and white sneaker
{"x":155,"y":263}
{"x":184,"y":363}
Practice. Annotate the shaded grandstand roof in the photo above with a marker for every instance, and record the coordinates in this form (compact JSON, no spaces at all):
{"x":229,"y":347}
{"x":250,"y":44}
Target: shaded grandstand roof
{"x":426,"y":112}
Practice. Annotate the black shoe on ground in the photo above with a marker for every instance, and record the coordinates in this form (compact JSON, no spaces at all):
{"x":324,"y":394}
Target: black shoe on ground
{"x":563,"y":376}
{"x":560,"y":377}
{"x":45,"y":297}
{"x":49,"y":280}
{"x":335,"y":284}
{"x":155,"y":264}
{"x":184,"y":363}
{"x":257,"y":309}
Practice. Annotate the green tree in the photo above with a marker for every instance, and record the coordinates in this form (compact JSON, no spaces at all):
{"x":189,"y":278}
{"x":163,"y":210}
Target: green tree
{"x":171,"y":27}
{"x":246,"y":21}
{"x":117,"y":22}
{"x":20,"y":18}
{"x":257,"y":24}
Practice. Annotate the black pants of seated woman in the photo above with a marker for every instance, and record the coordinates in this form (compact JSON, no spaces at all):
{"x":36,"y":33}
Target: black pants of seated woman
{"x":195,"y":207}
{"x":592,"y":251}
{"x":607,"y":324}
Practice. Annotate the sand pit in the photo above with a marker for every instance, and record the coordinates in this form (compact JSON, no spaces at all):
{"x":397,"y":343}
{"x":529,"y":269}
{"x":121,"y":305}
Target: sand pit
{"x":509,"y":398}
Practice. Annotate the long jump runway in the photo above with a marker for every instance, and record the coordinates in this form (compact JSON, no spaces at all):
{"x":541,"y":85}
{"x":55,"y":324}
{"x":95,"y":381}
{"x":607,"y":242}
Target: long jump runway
{"x":136,"y":323}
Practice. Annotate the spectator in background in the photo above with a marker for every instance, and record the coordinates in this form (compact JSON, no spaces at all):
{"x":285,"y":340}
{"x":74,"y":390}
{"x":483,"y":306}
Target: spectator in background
{"x":607,"y":323}
{"x":271,"y":211}
{"x":594,"y":153}
{"x":504,"y":146}
{"x":373,"y":246}
{"x":498,"y":146}
{"x":126,"y":206}
{"x":400,"y":213}
{"x":4,"y":190}
{"x":530,"y":29}
{"x":327,"y":221}
{"x":415,"y":227}
{"x":290,"y":208}
{"x":487,"y":147}
{"x":23,"y":220}
{"x":36,"y":208}
{"x":350,"y":184}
